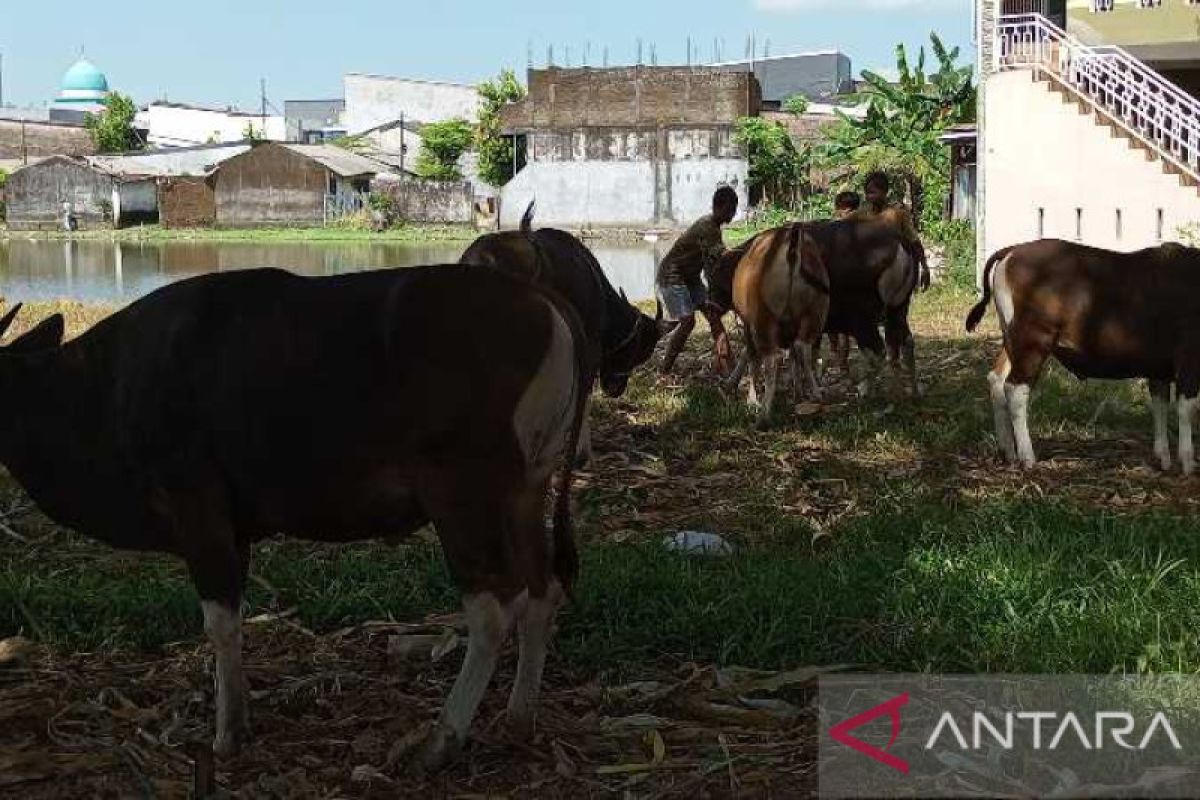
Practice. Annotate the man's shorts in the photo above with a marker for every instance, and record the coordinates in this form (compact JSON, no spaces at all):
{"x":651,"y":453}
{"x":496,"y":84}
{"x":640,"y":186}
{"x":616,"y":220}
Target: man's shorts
{"x":682,"y":301}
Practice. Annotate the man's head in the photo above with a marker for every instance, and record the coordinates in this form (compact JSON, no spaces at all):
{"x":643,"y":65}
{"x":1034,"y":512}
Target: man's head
{"x":846,"y":203}
{"x":876,"y":189}
{"x":725,"y":203}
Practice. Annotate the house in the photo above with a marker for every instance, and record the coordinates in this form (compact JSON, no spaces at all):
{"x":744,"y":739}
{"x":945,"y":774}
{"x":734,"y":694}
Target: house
{"x":277,"y":184}
{"x":314,"y":121}
{"x":39,"y":196}
{"x":374,"y":100}
{"x":183,"y":125}
{"x":627,"y":146}
{"x":27,"y":135}
{"x":963,"y":143}
{"x":816,"y":76}
{"x":1081,"y":140}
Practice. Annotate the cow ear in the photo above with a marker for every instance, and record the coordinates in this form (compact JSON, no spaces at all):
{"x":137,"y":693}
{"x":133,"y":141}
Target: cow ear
{"x":46,"y":335}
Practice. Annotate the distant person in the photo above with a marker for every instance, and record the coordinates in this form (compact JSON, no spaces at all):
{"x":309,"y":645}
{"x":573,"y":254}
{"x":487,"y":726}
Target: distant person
{"x":879,"y":206}
{"x":679,"y":286}
{"x":845,"y":204}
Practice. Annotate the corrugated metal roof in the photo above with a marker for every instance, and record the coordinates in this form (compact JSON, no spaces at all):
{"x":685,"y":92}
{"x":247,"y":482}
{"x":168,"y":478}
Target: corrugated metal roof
{"x":194,"y":161}
{"x":337,"y":160}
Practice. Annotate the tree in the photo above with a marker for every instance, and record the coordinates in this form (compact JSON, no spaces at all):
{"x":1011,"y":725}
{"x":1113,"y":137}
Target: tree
{"x":899,"y":132}
{"x":112,"y":130}
{"x":496,"y":151}
{"x":252,"y":134}
{"x":777,"y":167}
{"x":442,"y":145}
{"x":796,"y":105}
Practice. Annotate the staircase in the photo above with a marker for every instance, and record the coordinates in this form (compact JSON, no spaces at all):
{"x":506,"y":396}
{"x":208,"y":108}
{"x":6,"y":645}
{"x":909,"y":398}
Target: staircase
{"x":1125,"y":95}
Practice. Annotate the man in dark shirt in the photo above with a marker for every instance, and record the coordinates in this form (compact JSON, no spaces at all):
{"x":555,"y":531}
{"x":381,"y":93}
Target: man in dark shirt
{"x":679,"y":286}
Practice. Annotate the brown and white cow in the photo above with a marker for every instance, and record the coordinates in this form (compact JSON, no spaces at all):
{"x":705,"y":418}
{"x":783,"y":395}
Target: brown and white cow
{"x":781,"y":294}
{"x":1101,"y":314}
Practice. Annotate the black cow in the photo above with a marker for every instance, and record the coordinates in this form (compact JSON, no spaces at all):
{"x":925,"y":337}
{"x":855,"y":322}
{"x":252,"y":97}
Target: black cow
{"x":230,"y":407}
{"x":620,"y":337}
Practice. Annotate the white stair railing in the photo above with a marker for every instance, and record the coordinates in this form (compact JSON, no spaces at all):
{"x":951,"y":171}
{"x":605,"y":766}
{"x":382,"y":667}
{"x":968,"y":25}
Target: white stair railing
{"x":1144,"y":104}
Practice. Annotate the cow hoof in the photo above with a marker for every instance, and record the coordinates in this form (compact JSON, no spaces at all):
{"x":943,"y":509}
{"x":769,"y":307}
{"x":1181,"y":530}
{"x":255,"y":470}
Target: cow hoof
{"x":442,"y":747}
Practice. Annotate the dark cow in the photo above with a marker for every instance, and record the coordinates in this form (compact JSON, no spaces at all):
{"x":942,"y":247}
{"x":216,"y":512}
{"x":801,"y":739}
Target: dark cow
{"x":872,"y":277}
{"x":1101,"y":314}
{"x":226,"y":408}
{"x":620,"y":338}
{"x":781,"y":295}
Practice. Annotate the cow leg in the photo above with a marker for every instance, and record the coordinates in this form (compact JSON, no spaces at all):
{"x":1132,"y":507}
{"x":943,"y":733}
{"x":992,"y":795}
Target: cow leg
{"x":1160,"y":401}
{"x":754,"y":358}
{"x":900,"y":342}
{"x":1000,"y":413}
{"x":1187,"y":413}
{"x":218,"y":564}
{"x":870,"y":343}
{"x":805,"y":372}
{"x":583,"y":451}
{"x":1029,"y":343}
{"x":770,"y":363}
{"x":1017,"y":396}
{"x":487,"y":627}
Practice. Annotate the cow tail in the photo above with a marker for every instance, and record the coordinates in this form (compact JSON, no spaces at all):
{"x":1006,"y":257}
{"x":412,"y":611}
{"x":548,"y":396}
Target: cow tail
{"x":527,"y":218}
{"x":976,"y":313}
{"x":566,"y":553}
{"x":795,"y":257}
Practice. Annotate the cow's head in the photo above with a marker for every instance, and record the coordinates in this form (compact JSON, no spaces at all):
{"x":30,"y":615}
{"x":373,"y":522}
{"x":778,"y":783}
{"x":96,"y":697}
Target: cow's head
{"x":635,"y":349}
{"x":46,"y":335}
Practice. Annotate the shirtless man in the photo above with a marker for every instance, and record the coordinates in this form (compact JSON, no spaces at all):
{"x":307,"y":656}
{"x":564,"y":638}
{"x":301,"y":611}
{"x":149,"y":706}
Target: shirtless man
{"x":679,"y":286}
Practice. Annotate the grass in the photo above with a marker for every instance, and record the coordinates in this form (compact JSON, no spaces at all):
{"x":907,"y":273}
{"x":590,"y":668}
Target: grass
{"x":155,"y":233}
{"x":878,"y":532}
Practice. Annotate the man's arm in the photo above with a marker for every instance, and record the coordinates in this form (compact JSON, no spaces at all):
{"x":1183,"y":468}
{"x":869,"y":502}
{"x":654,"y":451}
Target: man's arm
{"x":917,"y":249}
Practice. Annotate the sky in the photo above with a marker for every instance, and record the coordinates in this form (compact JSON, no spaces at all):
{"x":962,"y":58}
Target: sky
{"x":215,"y":52}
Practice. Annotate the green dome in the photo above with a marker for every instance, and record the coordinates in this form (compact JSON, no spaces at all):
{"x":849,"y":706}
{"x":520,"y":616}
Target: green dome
{"x":84,"y":77}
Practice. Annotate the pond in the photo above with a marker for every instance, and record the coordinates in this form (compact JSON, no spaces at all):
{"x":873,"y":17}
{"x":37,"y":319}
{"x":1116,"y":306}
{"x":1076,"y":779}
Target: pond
{"x":116,"y":272}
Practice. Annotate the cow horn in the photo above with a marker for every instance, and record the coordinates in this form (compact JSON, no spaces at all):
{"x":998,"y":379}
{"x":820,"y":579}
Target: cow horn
{"x":527,"y":217}
{"x":8,"y":318}
{"x":622,"y":293}
{"x":658,"y":311}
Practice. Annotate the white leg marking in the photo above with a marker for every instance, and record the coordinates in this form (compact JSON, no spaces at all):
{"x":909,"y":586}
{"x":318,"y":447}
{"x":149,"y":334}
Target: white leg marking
{"x":1003,"y":294}
{"x":771,"y":370}
{"x":224,"y":629}
{"x":1000,"y":414}
{"x":755,"y":377}
{"x":534,"y":628}
{"x":1187,"y":453}
{"x":1160,"y":401}
{"x":739,"y":371}
{"x":1018,"y":407}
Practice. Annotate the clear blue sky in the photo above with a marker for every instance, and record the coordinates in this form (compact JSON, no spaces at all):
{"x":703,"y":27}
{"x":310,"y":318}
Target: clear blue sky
{"x":215,"y":52}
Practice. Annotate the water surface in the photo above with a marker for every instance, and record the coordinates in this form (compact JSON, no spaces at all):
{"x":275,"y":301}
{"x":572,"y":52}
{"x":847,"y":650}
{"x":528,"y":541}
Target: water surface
{"x":116,"y":272}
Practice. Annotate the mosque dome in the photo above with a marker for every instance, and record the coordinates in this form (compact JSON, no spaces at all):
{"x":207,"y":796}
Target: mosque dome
{"x":83,"y":83}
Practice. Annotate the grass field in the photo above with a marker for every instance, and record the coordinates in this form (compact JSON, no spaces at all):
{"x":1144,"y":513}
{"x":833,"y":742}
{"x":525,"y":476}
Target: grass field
{"x":880,"y":533}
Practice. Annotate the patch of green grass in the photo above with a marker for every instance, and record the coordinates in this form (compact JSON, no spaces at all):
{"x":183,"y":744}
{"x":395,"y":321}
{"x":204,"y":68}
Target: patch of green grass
{"x":154,"y":233}
{"x":916,"y":585}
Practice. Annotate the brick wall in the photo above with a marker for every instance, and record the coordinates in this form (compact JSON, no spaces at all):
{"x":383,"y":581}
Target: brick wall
{"x":186,"y":202}
{"x":42,"y":139}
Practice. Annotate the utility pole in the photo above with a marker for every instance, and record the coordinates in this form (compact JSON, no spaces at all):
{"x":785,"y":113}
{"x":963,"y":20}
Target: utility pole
{"x":262,"y":90}
{"x":1,"y":80}
{"x":402,"y":145}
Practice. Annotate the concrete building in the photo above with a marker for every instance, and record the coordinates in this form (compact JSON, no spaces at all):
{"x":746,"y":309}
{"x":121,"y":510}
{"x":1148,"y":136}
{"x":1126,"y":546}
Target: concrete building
{"x":626,"y":147}
{"x":817,"y":76}
{"x":374,"y":100}
{"x":1080,"y":140}
{"x":38,"y":196}
{"x":314,"y":121}
{"x":290,"y":185}
{"x":183,"y":125}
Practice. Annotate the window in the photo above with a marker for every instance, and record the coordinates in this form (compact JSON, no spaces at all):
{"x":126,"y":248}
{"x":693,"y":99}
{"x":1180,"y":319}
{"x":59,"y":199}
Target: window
{"x":1078,"y":224}
{"x":1041,"y":225}
{"x":1120,"y":225}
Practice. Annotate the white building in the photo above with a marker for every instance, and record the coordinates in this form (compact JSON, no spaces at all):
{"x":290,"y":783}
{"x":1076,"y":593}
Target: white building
{"x":182,"y":125}
{"x":375,"y":100}
{"x":1089,"y":122}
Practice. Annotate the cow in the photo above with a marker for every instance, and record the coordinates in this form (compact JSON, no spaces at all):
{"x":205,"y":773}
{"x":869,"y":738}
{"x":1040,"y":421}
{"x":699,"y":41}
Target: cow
{"x":1100,"y":314}
{"x":781,"y":294}
{"x":620,"y":338}
{"x":225,"y":408}
{"x":872,"y":277}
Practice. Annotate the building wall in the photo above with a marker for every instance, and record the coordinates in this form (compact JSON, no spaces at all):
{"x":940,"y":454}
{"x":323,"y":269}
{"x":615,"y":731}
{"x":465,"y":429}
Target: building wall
{"x":270,"y":186}
{"x":186,"y":202}
{"x":814,"y":75}
{"x":185,"y":126}
{"x":35,"y":195}
{"x":373,"y":100}
{"x":1053,"y":158}
{"x":41,"y":139}
{"x":566,"y":99}
{"x":301,"y":116}
{"x":419,"y":200}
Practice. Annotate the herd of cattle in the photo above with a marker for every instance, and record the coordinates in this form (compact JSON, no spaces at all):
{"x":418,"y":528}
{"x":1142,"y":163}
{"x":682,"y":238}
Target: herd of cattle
{"x":230,"y":407}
